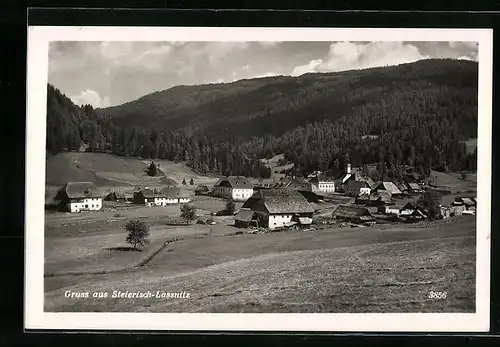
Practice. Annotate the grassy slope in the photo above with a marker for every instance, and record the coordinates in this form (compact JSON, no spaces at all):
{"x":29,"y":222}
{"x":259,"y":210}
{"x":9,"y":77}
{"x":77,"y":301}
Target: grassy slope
{"x":112,"y":173}
{"x":338,"y":270}
{"x":453,"y":182}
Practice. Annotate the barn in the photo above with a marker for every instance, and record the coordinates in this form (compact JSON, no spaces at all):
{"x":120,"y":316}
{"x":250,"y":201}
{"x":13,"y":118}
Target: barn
{"x":353,"y":214}
{"x":276,"y":208}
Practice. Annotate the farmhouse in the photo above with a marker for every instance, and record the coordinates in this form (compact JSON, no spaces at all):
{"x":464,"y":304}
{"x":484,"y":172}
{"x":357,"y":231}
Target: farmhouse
{"x":275,"y":208}
{"x":80,"y":196}
{"x":356,"y":188}
{"x":166,"y":196}
{"x":323,"y":184}
{"x":353,"y":214}
{"x":237,"y":188}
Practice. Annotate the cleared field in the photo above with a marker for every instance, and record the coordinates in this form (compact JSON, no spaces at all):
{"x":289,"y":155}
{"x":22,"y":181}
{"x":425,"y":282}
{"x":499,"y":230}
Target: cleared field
{"x":332,"y":270}
{"x":453,"y":182}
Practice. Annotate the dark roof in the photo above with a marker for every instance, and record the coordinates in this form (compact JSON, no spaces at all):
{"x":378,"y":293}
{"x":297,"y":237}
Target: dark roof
{"x":350,"y":211}
{"x":147,"y":193}
{"x":402,"y":186}
{"x":239,"y":182}
{"x":116,"y":195}
{"x":244,"y":215}
{"x":280,"y":201}
{"x":409,"y":206}
{"x":77,"y":190}
{"x":357,"y":184}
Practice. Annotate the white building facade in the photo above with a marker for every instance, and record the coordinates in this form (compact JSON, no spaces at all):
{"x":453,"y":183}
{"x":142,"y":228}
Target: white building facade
{"x":86,"y":204}
{"x":236,"y":188}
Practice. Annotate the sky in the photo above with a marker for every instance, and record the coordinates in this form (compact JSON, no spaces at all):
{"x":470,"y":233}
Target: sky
{"x":111,"y":73}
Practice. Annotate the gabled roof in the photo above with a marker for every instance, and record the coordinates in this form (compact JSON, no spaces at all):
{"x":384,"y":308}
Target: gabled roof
{"x":238,"y":182}
{"x":277,"y":201}
{"x":146,"y":192}
{"x":79,"y":190}
{"x":414,"y":186}
{"x":244,"y":215}
{"x":387,"y":186}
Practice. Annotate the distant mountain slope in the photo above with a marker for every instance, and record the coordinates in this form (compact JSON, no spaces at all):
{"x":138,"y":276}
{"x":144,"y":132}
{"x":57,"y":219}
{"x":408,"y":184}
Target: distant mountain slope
{"x":417,"y":114}
{"x":275,"y":105}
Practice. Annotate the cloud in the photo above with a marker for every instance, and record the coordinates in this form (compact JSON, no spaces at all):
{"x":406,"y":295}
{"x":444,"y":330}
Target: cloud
{"x":89,"y":96}
{"x":138,"y":54}
{"x":356,"y":55}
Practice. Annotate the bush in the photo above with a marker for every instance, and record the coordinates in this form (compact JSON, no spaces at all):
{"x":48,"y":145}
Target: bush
{"x":200,"y":221}
{"x":138,"y":233}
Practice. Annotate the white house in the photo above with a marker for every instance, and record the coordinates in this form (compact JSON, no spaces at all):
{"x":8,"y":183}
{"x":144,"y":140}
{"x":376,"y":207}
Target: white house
{"x":356,"y":188}
{"x":321,"y":183}
{"x":275,"y":208}
{"x":166,"y":196}
{"x":237,"y":188}
{"x":80,"y":196}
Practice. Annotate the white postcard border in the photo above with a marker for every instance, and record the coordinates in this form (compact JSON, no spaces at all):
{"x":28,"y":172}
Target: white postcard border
{"x":37,"y":69}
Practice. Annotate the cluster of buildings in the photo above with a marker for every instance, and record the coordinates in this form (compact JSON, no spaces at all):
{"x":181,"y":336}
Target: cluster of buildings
{"x":286,"y":202}
{"x":85,"y":196}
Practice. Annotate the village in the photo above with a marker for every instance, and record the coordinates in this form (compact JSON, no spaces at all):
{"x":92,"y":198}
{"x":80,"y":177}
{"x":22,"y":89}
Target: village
{"x":286,"y":202}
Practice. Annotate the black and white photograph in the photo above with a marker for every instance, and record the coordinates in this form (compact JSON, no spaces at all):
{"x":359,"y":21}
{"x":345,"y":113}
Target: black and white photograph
{"x":241,"y":172}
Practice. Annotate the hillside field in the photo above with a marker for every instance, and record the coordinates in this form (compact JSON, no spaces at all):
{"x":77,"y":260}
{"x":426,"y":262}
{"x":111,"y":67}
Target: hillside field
{"x":111,"y":172}
{"x":377,"y":269}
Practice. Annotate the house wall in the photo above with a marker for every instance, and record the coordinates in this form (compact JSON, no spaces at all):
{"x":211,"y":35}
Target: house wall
{"x":91,"y":204}
{"x":279,"y":220}
{"x":389,"y":210}
{"x":406,"y":212}
{"x":363,"y":191}
{"x":326,"y":187}
{"x":241,"y":194}
{"x":165,"y":201}
{"x":223,"y":192}
{"x":184,"y":200}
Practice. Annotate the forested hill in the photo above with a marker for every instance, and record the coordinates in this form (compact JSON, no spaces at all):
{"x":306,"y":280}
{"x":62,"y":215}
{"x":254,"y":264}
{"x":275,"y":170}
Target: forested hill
{"x":416,"y":114}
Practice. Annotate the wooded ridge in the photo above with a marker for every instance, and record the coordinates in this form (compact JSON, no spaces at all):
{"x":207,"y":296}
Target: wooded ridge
{"x":415,"y":114}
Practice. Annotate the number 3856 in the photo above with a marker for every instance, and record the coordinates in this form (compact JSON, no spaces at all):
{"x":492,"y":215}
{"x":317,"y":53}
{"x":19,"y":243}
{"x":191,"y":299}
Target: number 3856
{"x":437,"y":295}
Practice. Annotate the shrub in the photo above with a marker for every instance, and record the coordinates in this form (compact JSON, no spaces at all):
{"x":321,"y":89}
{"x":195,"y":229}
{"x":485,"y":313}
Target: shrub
{"x":138,"y":233}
